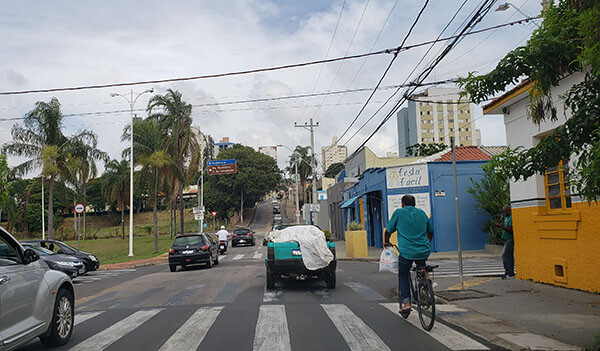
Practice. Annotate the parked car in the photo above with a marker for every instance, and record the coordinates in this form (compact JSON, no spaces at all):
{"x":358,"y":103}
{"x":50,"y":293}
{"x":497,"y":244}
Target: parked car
{"x":36,"y":301}
{"x":192,"y":249}
{"x":242,"y":236}
{"x":276,"y":210}
{"x":284,"y":259}
{"x":67,"y":264}
{"x":90,"y":261}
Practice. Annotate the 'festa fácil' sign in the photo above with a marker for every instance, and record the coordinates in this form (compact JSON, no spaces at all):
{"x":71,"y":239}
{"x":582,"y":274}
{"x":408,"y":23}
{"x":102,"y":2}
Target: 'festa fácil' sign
{"x":407,"y":176}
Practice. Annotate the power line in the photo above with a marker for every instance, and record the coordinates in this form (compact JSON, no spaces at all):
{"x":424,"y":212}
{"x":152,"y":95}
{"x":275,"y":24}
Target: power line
{"x":265,"y":69}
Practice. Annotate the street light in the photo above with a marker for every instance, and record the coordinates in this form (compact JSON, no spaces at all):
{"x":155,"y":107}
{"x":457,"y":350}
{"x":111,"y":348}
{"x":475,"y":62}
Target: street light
{"x":131,"y":101}
{"x":507,"y":5}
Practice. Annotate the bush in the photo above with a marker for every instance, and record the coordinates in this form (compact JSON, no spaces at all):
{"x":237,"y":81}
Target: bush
{"x":595,"y":345}
{"x":327,"y":234}
{"x":354,"y":226}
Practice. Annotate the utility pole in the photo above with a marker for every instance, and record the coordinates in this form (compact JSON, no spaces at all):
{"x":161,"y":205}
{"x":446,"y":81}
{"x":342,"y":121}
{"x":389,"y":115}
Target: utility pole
{"x":43,"y":217}
{"x":297,"y":193}
{"x":460,"y":262}
{"x":310,"y":127}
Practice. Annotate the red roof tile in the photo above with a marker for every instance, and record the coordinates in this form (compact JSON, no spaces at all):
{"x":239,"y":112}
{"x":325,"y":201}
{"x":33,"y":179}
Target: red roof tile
{"x":466,"y":153}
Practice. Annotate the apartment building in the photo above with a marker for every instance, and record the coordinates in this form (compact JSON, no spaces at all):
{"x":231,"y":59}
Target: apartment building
{"x":434,"y":116}
{"x":269,"y":151}
{"x":333,"y":153}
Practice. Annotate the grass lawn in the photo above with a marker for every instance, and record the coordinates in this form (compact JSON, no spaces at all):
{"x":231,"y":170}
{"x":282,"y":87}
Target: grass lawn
{"x":115,"y":250}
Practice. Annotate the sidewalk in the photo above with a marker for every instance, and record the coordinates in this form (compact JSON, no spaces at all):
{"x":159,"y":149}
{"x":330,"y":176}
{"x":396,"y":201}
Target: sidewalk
{"x":519,"y":314}
{"x":162,"y":259}
{"x":375,"y":252}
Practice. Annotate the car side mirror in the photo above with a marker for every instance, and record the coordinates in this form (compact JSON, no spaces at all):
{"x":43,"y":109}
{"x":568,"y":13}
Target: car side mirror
{"x":30,"y":256}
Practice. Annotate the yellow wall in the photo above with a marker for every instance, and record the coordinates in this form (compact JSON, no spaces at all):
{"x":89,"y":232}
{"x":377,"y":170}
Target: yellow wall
{"x":570,"y":239}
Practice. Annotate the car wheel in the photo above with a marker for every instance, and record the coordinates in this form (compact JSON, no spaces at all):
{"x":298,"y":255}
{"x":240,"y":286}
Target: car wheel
{"x":61,"y":326}
{"x":173,"y":267}
{"x":210,"y":262}
{"x":85,"y":269}
{"x":270,"y":280}
{"x":330,"y":280}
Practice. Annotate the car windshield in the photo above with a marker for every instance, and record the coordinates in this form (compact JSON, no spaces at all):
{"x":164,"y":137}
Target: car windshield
{"x":39,"y":250}
{"x":241,"y":231}
{"x":190,"y":240}
{"x":67,"y":249}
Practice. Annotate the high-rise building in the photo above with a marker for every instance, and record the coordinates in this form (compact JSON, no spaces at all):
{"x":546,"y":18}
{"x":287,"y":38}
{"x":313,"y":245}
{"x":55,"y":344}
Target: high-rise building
{"x":223,"y":144}
{"x":333,"y":153}
{"x":434,"y":116}
{"x":269,"y":151}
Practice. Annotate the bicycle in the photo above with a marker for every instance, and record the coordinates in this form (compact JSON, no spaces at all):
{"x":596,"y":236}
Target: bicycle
{"x":421,"y":289}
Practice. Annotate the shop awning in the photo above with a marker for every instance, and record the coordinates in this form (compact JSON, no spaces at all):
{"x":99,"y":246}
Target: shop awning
{"x":349,"y":202}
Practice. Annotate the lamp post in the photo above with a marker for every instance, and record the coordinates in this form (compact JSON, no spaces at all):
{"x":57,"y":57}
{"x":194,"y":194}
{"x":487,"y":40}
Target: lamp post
{"x":131,"y":101}
{"x":507,"y":5}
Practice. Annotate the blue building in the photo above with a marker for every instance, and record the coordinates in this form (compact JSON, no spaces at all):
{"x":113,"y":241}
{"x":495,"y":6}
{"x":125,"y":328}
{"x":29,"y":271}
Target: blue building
{"x":379,"y":191}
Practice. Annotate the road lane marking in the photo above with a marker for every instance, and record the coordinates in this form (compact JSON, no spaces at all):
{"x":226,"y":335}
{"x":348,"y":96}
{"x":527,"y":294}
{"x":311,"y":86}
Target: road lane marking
{"x":118,"y":330}
{"x":272,"y":329}
{"x":82,"y":317}
{"x":357,"y":334}
{"x":258,"y":255}
{"x":222,"y":257}
{"x":182,"y":295}
{"x":192,"y":332}
{"x":440,"y":332}
{"x":365,"y":291}
{"x":238,"y":257}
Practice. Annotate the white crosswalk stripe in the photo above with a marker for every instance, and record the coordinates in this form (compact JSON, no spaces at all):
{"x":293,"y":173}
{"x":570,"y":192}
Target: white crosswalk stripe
{"x":91,"y":277}
{"x":192,"y":332}
{"x":238,"y":257}
{"x":109,"y":335}
{"x":272,"y":329}
{"x":82,"y":317}
{"x":222,"y":257}
{"x":471,"y":267}
{"x":258,"y":255}
{"x":440,"y":332}
{"x":355,"y":332}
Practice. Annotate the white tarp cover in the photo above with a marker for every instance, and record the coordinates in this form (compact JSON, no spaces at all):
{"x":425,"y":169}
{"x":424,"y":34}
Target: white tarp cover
{"x":315,"y":253}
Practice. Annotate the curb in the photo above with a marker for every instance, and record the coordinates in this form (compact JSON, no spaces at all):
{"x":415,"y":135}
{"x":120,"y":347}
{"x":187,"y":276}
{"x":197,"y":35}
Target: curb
{"x":359,"y":259}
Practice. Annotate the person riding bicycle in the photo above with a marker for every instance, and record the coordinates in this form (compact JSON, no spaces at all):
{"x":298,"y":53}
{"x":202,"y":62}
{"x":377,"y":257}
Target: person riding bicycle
{"x":414,"y":235}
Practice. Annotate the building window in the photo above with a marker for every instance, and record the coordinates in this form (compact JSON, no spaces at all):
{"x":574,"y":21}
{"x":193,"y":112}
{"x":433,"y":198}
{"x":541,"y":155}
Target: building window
{"x":558,"y":194}
{"x":421,"y":113}
{"x":441,"y":130}
{"x":428,"y":112}
{"x":450,"y":121}
{"x":451,"y":129}
{"x":466,"y":120}
{"x":442,"y":139}
{"x":468,"y":129}
{"x":468,"y":138}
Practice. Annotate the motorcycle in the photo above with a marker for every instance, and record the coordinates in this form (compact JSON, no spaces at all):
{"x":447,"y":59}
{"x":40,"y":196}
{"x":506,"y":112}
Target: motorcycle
{"x":222,"y":247}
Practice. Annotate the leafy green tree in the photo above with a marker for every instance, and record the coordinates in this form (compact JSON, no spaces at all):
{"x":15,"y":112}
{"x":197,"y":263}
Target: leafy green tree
{"x":492,"y":193}
{"x":41,"y":140}
{"x":566,"y":43}
{"x":4,"y":184}
{"x":116,"y":186}
{"x":174,"y":120}
{"x":334,"y":169}
{"x":257,"y":175}
{"x":425,"y":149}
{"x":150,"y":152}
{"x":302,"y":158}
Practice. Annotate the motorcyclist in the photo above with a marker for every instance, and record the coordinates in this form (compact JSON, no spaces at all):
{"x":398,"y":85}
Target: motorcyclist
{"x":223,"y":236}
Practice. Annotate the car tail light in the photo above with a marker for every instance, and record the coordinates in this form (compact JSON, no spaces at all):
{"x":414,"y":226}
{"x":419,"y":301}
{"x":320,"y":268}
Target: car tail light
{"x":250,"y":234}
{"x":270,"y":252}
{"x":234,"y":235}
{"x":171,"y":251}
{"x":204,"y":248}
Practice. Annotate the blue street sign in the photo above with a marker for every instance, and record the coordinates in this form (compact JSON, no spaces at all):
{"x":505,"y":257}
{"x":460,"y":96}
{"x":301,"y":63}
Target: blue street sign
{"x":221,"y":162}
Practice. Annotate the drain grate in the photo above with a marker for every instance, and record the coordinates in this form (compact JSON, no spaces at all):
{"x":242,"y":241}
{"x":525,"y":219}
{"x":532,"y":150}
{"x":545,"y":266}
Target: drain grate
{"x":453,"y":295}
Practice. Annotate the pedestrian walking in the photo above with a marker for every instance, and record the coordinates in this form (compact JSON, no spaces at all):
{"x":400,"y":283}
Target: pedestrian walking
{"x":508,"y":253}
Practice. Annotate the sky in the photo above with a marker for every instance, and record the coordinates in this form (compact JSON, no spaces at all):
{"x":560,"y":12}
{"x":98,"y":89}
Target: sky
{"x":65,"y":43}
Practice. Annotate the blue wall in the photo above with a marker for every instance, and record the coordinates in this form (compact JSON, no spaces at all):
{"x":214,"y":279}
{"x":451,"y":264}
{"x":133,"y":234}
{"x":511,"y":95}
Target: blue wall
{"x":443,"y":209}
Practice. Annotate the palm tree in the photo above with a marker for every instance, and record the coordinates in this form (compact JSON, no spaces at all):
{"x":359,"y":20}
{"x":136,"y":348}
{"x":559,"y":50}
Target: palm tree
{"x":174,"y":121}
{"x":149,"y":151}
{"x":41,"y":140}
{"x":301,"y":156}
{"x":115,"y":186}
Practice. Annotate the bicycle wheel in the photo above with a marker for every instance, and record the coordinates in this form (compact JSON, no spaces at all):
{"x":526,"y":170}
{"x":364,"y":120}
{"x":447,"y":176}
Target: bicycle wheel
{"x":425,"y":303}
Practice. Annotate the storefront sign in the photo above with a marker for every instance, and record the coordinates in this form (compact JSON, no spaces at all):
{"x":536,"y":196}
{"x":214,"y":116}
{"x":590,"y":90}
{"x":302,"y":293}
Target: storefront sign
{"x":407,"y":176}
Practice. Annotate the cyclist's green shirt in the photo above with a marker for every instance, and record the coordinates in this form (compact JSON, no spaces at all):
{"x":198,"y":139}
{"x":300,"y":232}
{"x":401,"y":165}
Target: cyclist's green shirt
{"x":412,"y":225}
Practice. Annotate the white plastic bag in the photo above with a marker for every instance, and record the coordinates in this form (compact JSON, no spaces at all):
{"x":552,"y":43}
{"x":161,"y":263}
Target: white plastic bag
{"x":388,"y":262}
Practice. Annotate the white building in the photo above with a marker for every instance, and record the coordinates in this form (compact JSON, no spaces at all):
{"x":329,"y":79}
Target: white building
{"x":269,"y":151}
{"x":333,"y":153}
{"x":433,"y":117}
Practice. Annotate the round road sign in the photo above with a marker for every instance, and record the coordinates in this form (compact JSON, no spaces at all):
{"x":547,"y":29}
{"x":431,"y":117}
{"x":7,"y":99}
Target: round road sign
{"x":79,"y":208}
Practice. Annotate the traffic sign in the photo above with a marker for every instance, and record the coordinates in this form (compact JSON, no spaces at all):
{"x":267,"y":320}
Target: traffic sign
{"x":198,"y":216}
{"x":217,"y":167}
{"x":198,"y":209}
{"x":213,"y":213}
{"x":79,"y":208}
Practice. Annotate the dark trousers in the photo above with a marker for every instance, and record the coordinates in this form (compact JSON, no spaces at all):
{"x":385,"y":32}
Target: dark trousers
{"x":404,"y":266}
{"x":508,"y":257}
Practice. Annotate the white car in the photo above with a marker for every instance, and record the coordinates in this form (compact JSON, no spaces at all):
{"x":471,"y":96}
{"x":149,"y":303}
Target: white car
{"x":36,"y":301}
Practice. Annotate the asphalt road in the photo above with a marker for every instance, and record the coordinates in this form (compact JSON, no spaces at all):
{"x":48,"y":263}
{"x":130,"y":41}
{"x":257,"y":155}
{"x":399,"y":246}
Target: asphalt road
{"x":228,"y":308}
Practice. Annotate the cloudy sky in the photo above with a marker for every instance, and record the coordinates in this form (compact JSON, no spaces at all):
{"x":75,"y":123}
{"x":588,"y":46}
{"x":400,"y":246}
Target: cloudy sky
{"x":65,"y":43}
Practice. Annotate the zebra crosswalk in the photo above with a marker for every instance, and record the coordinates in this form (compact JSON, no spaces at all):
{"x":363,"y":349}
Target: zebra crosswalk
{"x":271,"y":331}
{"x":471,"y":267}
{"x":91,"y":277}
{"x":257,"y":255}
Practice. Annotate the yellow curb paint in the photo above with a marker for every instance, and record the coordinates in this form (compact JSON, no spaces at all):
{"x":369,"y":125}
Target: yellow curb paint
{"x":472,"y":283}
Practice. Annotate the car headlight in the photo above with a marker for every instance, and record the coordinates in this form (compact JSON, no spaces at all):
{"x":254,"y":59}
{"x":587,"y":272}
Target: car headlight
{"x":53,"y":264}
{"x":93,"y":258}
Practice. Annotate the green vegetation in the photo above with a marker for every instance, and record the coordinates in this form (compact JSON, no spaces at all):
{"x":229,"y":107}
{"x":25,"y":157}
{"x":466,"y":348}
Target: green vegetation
{"x":116,"y":250}
{"x":595,"y":345}
{"x":354,"y":226}
{"x":334,"y":169}
{"x":425,"y":149}
{"x":566,"y":43}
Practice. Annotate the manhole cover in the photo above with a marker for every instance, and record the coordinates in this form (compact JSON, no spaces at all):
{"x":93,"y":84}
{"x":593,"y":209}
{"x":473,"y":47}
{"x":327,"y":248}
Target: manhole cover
{"x":453,"y":295}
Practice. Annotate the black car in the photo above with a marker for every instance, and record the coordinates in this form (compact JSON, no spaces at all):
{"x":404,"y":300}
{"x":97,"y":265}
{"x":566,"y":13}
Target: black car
{"x":242,"y":236}
{"x":276,"y":210}
{"x":192,"y":249}
{"x":67,"y":264}
{"x":90,"y":261}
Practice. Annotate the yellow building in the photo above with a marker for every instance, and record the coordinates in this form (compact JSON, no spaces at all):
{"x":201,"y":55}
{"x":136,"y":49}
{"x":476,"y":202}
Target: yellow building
{"x":556,"y":233}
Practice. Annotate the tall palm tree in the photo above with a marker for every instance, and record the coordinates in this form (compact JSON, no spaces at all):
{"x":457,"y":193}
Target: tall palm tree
{"x":42,"y":141}
{"x":149,"y":151}
{"x":302,"y":157}
{"x":115,"y":186}
{"x":173,"y":116}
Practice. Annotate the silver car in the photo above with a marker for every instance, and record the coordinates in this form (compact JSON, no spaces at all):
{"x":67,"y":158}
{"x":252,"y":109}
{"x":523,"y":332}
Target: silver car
{"x":35,"y":301}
